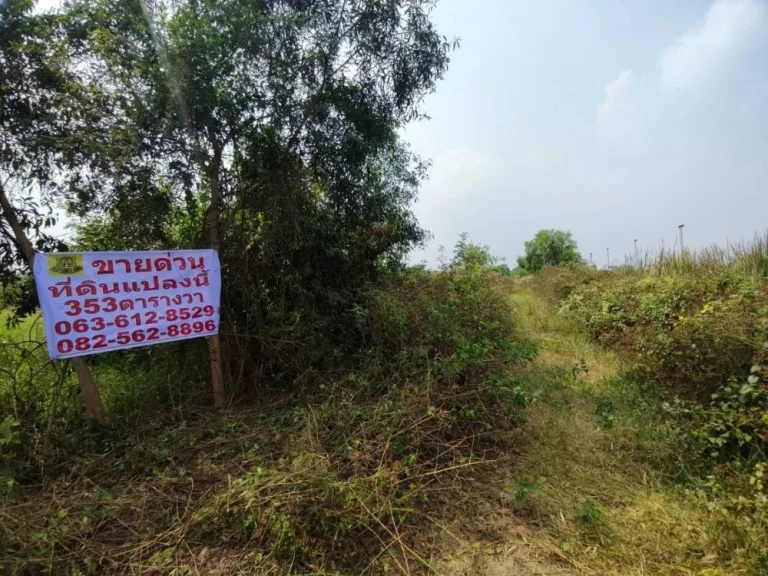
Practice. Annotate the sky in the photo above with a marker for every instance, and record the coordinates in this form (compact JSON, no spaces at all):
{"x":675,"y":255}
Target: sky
{"x":615,"y":120}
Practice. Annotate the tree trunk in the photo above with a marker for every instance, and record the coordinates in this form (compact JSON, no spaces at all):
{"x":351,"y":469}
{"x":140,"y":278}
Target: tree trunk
{"x":94,"y":409}
{"x":214,"y":343}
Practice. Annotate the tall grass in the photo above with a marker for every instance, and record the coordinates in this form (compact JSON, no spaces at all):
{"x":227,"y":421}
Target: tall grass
{"x":748,"y":258}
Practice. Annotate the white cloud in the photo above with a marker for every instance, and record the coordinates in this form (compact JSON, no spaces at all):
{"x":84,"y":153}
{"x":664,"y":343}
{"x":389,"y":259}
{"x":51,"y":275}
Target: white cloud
{"x":625,"y":118}
{"x":620,"y":120}
{"x":459,"y":177}
{"x":659,"y":153}
{"x":728,"y":26}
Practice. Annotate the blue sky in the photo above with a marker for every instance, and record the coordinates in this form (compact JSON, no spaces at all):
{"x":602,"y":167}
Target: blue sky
{"x":614,"y":120}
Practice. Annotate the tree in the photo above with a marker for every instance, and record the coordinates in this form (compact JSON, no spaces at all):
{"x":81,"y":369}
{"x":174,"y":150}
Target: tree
{"x":468,"y":254}
{"x":36,"y":122}
{"x":549,"y":248}
{"x":207,"y":100}
{"x":30,"y":84}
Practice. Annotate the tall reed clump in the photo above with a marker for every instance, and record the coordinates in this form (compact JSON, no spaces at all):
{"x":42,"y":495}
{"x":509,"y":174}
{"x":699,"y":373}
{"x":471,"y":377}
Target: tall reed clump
{"x":744,"y":258}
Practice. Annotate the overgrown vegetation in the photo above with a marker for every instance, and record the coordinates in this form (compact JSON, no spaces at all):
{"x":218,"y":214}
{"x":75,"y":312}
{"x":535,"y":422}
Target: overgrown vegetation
{"x":695,"y":328}
{"x":366,"y":397}
{"x":265,"y":130}
{"x":338,"y":473}
{"x":362,"y":393}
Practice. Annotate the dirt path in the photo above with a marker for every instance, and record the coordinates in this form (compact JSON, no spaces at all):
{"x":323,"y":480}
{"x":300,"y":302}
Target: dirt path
{"x":587,"y":492}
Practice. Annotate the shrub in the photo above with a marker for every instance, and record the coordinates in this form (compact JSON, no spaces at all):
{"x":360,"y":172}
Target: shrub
{"x":689,"y":333}
{"x":456,"y":316}
{"x":558,"y":282}
{"x":735,"y":424}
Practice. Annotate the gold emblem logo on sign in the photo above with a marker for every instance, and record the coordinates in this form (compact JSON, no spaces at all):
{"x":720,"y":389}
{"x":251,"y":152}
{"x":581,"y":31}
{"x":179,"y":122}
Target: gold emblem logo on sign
{"x":65,"y":265}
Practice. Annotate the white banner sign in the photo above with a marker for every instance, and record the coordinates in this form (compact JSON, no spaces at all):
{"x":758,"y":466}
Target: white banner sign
{"x":95,"y":302}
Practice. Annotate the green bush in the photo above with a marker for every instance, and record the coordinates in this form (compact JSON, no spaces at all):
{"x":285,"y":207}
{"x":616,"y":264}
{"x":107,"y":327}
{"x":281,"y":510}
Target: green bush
{"x":736,"y":422}
{"x":456,"y":317}
{"x":558,"y":282}
{"x":689,"y":332}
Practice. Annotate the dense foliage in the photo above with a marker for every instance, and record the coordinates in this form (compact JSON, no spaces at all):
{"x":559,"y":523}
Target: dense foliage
{"x":269,"y":131}
{"x":690,"y":332}
{"x":40,"y":118}
{"x":549,"y":248}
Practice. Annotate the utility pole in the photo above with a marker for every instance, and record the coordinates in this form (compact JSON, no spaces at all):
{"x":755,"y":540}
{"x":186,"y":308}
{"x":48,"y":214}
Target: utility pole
{"x":636,"y":253}
{"x":608,"y":258}
{"x":590,"y":259}
{"x":682,"y":246}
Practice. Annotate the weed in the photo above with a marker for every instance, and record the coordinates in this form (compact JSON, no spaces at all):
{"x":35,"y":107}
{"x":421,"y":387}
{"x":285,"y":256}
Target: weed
{"x":590,"y":512}
{"x":688,"y":333}
{"x":580,"y":368}
{"x":604,"y":411}
{"x":523,"y":490}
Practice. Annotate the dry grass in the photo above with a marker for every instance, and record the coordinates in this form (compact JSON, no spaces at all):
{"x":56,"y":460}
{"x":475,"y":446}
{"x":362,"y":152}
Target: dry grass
{"x":251,"y":492}
{"x":648,"y":528}
{"x":562,"y":344}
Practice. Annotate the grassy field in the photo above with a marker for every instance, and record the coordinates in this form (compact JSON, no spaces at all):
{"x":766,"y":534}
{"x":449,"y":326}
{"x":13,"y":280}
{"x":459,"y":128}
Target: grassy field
{"x":569,"y":463}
